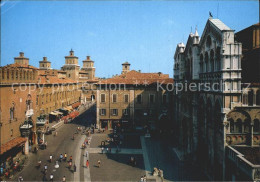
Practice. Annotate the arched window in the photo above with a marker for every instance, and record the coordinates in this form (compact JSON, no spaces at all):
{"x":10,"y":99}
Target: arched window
{"x":206,"y":62}
{"x":3,"y":74}
{"x":212,"y":60}
{"x":231,"y":123}
{"x":201,"y":63}
{"x":12,"y":109}
{"x":256,"y":126}
{"x":257,"y":101}
{"x":244,"y":99}
{"x":218,"y":59}
{"x":12,"y":74}
{"x":7,"y":74}
{"x":250,"y":98}
{"x":247,"y":126}
{"x":238,"y":126}
{"x":208,"y":43}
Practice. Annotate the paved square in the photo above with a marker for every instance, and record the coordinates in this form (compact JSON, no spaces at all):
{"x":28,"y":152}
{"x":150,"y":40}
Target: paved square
{"x":115,"y":167}
{"x":130,"y":141}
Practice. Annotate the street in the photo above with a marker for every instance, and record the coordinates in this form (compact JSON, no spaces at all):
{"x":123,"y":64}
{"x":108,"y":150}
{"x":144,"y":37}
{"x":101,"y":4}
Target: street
{"x":115,"y":166}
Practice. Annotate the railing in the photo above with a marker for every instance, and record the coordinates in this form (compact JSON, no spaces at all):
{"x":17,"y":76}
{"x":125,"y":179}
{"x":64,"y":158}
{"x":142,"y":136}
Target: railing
{"x":246,"y":166}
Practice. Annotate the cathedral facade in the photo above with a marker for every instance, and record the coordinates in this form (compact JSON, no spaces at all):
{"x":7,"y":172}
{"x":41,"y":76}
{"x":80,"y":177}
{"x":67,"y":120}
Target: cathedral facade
{"x":208,"y":101}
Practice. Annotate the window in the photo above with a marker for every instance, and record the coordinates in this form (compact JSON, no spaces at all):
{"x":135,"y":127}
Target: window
{"x":244,"y":99}
{"x":231,"y":126}
{"x":126,"y":98}
{"x":37,"y":99}
{"x":12,"y":113}
{"x":114,"y":112}
{"x":164,"y":99}
{"x":125,"y":112}
{"x":139,"y":99}
{"x":12,"y":132}
{"x":114,"y":98}
{"x":238,"y":126}
{"x":256,"y":125}
{"x":151,"y":99}
{"x":102,"y":112}
{"x":103,"y":97}
{"x":247,"y":126}
{"x":250,"y":98}
{"x":257,"y":102}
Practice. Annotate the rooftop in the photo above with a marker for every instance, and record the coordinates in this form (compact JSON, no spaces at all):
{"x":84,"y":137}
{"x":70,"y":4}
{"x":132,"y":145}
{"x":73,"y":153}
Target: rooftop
{"x":136,"y":78}
{"x":18,"y":65}
{"x":219,"y":24}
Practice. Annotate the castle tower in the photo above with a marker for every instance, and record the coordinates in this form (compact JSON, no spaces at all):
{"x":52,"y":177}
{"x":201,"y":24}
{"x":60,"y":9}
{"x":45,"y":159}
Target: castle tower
{"x":44,"y":64}
{"x":125,"y":67}
{"x":71,"y":66}
{"x":21,"y":59}
{"x":88,"y":66}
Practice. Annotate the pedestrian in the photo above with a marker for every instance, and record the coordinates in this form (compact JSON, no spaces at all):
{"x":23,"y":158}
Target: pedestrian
{"x":70,"y":158}
{"x":102,"y":150}
{"x":107,"y":150}
{"x":99,"y":163}
{"x":50,"y":158}
{"x":64,"y":179}
{"x":45,"y":167}
{"x":70,"y":164}
{"x":65,"y":156}
{"x":56,"y":133}
{"x":74,"y":167}
{"x":20,"y":178}
{"x":87,"y":163}
{"x":61,"y":157}
{"x":142,"y":179}
{"x":51,"y":177}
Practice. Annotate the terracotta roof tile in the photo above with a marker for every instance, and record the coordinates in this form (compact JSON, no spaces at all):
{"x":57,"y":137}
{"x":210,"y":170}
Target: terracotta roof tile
{"x":137,"y":78}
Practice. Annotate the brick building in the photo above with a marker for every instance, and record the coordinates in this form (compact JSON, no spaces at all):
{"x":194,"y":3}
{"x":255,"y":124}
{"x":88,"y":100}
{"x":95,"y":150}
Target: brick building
{"x":32,"y":97}
{"x":133,"y":99}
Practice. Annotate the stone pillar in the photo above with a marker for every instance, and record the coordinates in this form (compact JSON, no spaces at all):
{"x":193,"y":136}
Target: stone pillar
{"x":225,"y":123}
{"x":252,"y":134}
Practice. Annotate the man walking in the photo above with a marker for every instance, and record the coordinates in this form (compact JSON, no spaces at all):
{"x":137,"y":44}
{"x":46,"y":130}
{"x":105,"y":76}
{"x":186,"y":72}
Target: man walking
{"x":51,"y":177}
{"x":87,"y":163}
{"x":99,"y":163}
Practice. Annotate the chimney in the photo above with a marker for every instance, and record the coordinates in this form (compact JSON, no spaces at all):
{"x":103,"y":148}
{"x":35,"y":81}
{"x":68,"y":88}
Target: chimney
{"x":88,"y":57}
{"x":21,"y":54}
{"x":159,"y":73}
{"x":44,"y":58}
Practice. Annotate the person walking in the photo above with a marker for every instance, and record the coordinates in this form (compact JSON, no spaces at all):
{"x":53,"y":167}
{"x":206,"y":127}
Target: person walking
{"x":70,"y":158}
{"x":61,"y":157}
{"x":99,"y":163}
{"x":51,"y":177}
{"x":102,"y":150}
{"x":74,"y":168}
{"x":50,"y":158}
{"x":63,"y":179}
{"x":65,"y":156}
{"x":87,"y":163}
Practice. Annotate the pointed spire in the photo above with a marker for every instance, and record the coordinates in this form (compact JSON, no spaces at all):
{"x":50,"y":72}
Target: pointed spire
{"x":196,"y":32}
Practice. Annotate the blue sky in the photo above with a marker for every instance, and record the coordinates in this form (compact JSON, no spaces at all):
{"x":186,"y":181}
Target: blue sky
{"x":144,"y":33}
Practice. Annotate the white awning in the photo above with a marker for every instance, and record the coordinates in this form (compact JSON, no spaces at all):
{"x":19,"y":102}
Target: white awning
{"x":54,"y":113}
{"x":58,"y":112}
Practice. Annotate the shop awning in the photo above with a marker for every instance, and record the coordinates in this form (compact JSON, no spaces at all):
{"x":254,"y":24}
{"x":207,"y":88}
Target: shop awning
{"x":54,"y":113}
{"x":12,"y":143}
{"x":77,"y":104}
{"x":58,"y":112}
